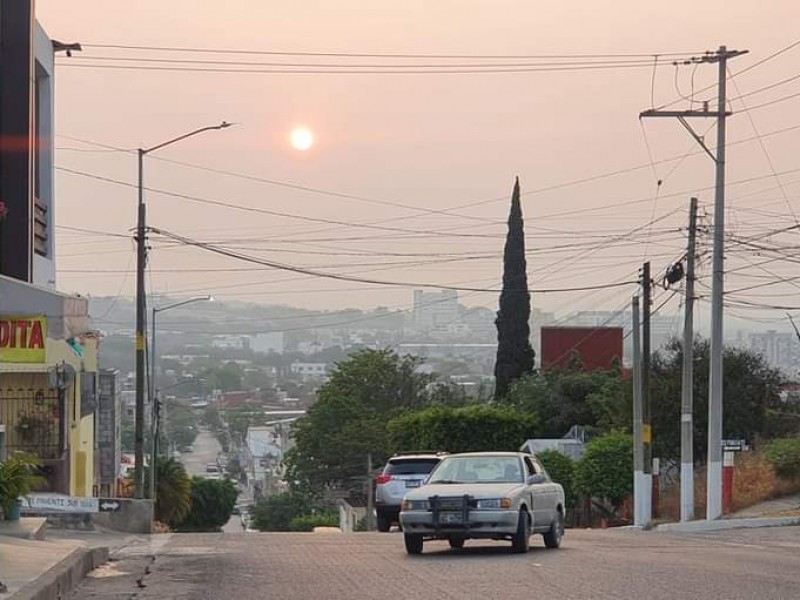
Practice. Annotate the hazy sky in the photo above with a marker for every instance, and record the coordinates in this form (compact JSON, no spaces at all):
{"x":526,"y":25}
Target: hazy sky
{"x":429,"y":141}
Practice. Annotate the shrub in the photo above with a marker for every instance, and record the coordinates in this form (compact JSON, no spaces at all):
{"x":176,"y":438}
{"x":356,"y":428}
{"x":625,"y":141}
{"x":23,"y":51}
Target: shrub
{"x":212,"y":505}
{"x":306,"y":523}
{"x":464,"y":429}
{"x":561,"y":469}
{"x":275,"y":513}
{"x":784,"y":456}
{"x":605,"y":471}
{"x":173,"y":490}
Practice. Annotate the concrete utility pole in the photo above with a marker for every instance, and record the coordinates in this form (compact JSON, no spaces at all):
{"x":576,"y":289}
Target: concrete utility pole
{"x":647,"y":431}
{"x":370,"y":492}
{"x":721,"y":56}
{"x":687,"y":400}
{"x":640,"y":487}
{"x":141,"y":310}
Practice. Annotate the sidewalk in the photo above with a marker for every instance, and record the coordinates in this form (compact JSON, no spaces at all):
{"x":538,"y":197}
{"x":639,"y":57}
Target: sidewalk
{"x":38,"y":568}
{"x":788,"y":506}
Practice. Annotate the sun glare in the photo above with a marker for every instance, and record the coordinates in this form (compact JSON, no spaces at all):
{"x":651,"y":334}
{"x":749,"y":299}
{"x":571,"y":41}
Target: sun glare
{"x":302,"y":139}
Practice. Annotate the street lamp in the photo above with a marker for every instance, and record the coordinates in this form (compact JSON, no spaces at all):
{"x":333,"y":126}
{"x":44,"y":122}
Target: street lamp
{"x":141,"y":309}
{"x":155,"y":408}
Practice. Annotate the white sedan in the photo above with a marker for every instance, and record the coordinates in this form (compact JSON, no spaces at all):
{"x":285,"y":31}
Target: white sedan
{"x":485,"y":495}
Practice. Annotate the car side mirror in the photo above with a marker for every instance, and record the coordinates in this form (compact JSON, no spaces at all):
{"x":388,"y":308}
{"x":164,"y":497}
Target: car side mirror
{"x":537,"y":478}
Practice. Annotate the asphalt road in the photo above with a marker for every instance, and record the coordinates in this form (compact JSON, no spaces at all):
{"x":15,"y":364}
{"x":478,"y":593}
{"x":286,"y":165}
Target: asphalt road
{"x":757,"y":564}
{"x":206,"y":449}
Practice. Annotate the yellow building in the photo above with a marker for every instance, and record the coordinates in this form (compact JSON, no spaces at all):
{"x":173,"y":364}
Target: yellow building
{"x":48,"y":383}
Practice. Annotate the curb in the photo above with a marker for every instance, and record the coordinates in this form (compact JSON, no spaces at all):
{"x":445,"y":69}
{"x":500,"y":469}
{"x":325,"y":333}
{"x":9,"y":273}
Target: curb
{"x":724,"y":524}
{"x":64,"y":577}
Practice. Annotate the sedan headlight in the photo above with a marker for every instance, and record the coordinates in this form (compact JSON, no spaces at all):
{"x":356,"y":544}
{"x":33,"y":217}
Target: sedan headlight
{"x":416,"y":505}
{"x":494,"y":503}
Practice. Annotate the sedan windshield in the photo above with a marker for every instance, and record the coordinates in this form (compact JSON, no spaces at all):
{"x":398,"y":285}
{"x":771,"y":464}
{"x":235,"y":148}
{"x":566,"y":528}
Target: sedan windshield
{"x":478,"y":469}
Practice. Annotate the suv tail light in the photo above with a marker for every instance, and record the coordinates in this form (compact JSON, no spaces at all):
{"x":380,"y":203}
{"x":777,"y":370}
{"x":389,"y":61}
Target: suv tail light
{"x":382,"y":479}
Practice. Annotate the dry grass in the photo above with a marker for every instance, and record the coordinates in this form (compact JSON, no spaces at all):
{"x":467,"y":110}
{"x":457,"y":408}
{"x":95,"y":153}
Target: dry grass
{"x":754,"y":481}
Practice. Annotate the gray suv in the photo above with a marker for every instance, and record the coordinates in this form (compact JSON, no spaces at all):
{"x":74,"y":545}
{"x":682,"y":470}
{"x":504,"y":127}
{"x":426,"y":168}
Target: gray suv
{"x":403,"y":472}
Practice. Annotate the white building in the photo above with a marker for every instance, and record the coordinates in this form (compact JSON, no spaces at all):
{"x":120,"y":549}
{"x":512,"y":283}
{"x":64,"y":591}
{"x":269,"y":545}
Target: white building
{"x":435,"y":310}
{"x":267,"y":342}
{"x":310,"y":370}
{"x":231,"y":342}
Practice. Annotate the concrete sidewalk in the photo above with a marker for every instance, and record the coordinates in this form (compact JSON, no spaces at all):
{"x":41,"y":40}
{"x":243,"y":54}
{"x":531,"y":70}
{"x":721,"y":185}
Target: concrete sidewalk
{"x":38,"y":569}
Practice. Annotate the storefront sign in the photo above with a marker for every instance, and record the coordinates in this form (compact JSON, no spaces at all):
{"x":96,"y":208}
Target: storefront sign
{"x":23,"y":339}
{"x":59,"y":503}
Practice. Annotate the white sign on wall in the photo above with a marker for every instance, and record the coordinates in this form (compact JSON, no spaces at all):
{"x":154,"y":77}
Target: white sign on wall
{"x":59,"y":503}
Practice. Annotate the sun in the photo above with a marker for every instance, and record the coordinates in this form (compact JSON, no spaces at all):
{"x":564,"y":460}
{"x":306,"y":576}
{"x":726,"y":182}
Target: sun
{"x":301,"y":138}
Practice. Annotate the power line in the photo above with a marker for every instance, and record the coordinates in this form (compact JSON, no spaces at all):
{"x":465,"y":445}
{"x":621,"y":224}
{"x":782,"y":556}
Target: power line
{"x":344,"y":277}
{"x":372,"y":55}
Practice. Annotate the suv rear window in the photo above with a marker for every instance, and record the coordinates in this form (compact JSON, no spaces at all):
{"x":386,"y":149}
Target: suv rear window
{"x":410,"y":466}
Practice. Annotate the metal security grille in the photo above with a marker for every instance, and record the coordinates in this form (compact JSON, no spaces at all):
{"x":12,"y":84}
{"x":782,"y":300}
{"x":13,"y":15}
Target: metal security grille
{"x":33,"y":421}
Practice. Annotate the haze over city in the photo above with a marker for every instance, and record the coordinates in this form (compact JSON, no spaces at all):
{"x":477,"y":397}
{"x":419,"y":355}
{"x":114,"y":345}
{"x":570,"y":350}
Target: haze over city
{"x":405,"y":177}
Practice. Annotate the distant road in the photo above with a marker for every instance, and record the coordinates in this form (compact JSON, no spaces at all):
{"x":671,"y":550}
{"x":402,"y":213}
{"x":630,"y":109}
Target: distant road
{"x":206,"y":449}
{"x":761,"y":564}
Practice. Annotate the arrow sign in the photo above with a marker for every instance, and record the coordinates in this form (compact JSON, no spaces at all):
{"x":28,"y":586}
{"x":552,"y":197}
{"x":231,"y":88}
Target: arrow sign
{"x":109,"y":506}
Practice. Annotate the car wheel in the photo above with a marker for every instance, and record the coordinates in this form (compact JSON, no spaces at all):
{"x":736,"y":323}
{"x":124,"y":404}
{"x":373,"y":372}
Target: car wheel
{"x":456,"y":542}
{"x":521,"y":542}
{"x":552,"y":539}
{"x":413,"y":543}
{"x":384,"y":523}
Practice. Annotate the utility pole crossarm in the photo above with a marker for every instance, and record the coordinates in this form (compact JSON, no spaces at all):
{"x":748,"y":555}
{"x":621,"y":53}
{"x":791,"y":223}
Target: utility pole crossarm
{"x":652,"y":112}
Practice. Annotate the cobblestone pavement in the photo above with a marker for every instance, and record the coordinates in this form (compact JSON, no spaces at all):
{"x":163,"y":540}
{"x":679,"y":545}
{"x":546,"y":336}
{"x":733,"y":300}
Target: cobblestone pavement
{"x":762,"y":564}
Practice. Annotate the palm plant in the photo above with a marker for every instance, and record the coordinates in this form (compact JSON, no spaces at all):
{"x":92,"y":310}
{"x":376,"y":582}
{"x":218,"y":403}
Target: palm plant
{"x":173,"y":490}
{"x":18,"y":474}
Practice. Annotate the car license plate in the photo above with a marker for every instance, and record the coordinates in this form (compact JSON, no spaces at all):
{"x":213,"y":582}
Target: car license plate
{"x":412,"y":483}
{"x":449,"y":518}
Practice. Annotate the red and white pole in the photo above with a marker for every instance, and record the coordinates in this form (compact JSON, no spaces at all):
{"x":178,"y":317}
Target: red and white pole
{"x":727,"y":481}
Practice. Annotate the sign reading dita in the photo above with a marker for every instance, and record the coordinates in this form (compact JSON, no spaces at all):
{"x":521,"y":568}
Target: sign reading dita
{"x":23,"y":339}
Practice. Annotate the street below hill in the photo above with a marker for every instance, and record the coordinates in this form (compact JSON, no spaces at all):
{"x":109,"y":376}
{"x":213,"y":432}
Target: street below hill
{"x":594,"y":564}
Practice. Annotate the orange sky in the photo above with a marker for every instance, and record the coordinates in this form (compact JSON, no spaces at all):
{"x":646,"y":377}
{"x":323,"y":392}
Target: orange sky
{"x":426,"y":141}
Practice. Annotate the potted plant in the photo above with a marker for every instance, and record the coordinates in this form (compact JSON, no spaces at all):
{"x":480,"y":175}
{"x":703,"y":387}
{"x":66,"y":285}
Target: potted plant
{"x":17,"y":477}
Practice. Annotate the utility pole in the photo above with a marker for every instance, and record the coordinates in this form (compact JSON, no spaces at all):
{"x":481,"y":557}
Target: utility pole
{"x":721,"y":56}
{"x":370,"y":492}
{"x":141,"y":308}
{"x":141,"y":315}
{"x":687,"y":399}
{"x":640,"y":518}
{"x":647,"y":431}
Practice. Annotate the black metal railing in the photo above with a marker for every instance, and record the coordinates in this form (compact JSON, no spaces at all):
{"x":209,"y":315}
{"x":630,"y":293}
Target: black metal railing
{"x":34,"y":420}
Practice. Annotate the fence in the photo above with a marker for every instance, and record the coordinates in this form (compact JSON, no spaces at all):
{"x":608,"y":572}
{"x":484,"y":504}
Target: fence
{"x":34,"y":421}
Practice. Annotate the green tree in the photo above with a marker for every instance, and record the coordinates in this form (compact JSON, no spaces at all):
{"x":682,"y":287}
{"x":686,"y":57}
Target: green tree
{"x":463,"y":429}
{"x":514,"y":353}
{"x":750,"y":387}
{"x":561,"y":469}
{"x":212,"y":505}
{"x":173,"y":490}
{"x":597,"y":400}
{"x":784,"y":456}
{"x":227,"y":378}
{"x":605,"y":471}
{"x":349,"y":418}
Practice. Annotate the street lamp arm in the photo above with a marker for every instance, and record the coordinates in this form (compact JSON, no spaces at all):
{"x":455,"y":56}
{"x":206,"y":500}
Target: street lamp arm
{"x":182,"y":303}
{"x":222,"y":125}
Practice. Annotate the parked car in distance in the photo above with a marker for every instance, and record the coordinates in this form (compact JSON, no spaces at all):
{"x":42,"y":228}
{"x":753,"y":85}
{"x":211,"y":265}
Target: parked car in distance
{"x":485,"y":495}
{"x":402,"y":472}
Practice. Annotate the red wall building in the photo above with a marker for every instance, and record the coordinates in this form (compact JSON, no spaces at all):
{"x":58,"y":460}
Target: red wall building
{"x":597,"y":347}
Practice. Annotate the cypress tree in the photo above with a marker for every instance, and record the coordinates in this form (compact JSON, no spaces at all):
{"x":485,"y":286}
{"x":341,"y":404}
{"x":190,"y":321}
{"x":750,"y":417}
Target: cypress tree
{"x":514,"y":352}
